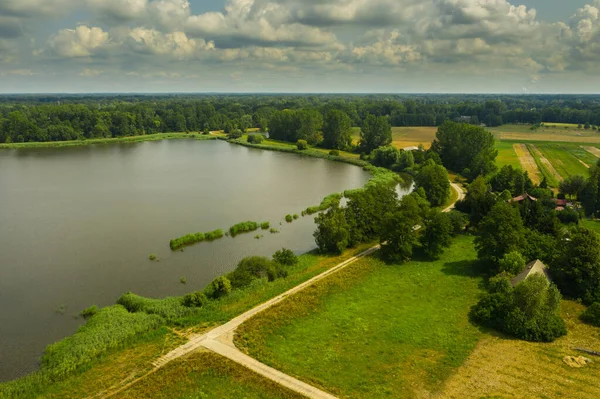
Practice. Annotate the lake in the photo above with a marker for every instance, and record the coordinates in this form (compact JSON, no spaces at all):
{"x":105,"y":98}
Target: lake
{"x":77,"y":226}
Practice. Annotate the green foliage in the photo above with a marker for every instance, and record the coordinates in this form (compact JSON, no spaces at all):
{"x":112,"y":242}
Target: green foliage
{"x":462,"y":146}
{"x":296,"y":217}
{"x":458,"y":220}
{"x":434,"y":180}
{"x":265,"y":226}
{"x":193,"y":238}
{"x":274,"y":231}
{"x":152,"y":257}
{"x":572,"y":186}
{"x":333,"y":233}
{"x":568,"y":216}
{"x":500,"y":232}
{"x":285,"y":257}
{"x":512,"y":263}
{"x":478,"y":201}
{"x":398,"y":235}
{"x":250,"y":269}
{"x":376,"y":132}
{"x":530,"y":311}
{"x":256,"y":138}
{"x":302,"y":145}
{"x":437,"y":234}
{"x":385,"y":157}
{"x":336,"y":130}
{"x":592,"y":314}
{"x":577,"y":273}
{"x":235,"y":134}
{"x":293,"y":125}
{"x":110,"y":328}
{"x":218,"y":288}
{"x":289,"y":218}
{"x":89,"y":312}
{"x":334,"y":153}
{"x":183,"y":280}
{"x":169,"y":308}
{"x":244,"y":227}
{"x":511,"y":179}
{"x":195,"y":300}
{"x":327,"y":202}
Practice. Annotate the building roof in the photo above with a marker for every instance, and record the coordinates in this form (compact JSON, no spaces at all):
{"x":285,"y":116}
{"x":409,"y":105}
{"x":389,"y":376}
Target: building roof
{"x":535,"y":267}
{"x":411,"y":149}
{"x":561,"y":202}
{"x":522,"y":198}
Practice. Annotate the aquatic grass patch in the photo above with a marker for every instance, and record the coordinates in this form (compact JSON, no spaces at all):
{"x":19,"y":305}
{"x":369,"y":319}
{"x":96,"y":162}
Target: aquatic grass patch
{"x":265,"y":226}
{"x":327,"y":203}
{"x":194,"y":238}
{"x":169,"y":309}
{"x":110,"y":328}
{"x":244,"y":227}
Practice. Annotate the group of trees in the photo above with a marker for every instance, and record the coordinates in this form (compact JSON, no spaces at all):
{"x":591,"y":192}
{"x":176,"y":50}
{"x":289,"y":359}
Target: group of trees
{"x":289,"y":117}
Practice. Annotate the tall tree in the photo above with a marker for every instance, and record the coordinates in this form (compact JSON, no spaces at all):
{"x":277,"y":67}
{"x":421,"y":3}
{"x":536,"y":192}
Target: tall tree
{"x":436,"y":237}
{"x":434,"y":180}
{"x":336,"y":130}
{"x":333,"y":232}
{"x":500,"y":232}
{"x":376,"y":132}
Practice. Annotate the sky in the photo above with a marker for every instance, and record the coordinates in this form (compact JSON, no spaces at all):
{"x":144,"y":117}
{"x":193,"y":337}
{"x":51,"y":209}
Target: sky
{"x":339,"y":46}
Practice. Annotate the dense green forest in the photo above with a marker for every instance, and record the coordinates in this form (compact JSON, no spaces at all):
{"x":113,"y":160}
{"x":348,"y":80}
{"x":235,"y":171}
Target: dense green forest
{"x":27,"y":118}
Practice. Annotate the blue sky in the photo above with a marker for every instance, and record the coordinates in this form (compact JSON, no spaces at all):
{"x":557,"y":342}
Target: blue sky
{"x":511,"y":46}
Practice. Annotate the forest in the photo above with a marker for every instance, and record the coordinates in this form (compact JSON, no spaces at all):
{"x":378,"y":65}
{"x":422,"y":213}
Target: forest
{"x":39,"y":118}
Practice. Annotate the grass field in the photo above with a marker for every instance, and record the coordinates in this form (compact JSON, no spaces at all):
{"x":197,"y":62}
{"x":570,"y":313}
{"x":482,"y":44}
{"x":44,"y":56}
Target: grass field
{"x":205,"y":375}
{"x":375,"y":330}
{"x":507,"y":368}
{"x":568,"y":134}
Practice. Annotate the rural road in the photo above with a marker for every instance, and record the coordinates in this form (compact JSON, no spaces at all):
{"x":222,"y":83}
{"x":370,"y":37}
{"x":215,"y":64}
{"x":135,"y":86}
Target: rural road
{"x":220,"y":339}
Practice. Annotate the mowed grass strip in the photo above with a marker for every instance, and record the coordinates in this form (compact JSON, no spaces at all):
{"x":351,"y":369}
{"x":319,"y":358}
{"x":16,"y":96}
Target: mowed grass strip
{"x":592,"y":150}
{"x":508,"y":368}
{"x":204,"y":375}
{"x":567,"y":134}
{"x":374,"y":330}
{"x":545,"y":166}
{"x":507,"y":155}
{"x":528,"y":163}
{"x":562,"y":159}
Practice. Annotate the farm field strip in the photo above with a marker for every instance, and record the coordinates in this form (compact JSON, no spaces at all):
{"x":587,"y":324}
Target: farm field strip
{"x":545,"y":166}
{"x":592,"y":150}
{"x":528,"y":162}
{"x":565,"y":159}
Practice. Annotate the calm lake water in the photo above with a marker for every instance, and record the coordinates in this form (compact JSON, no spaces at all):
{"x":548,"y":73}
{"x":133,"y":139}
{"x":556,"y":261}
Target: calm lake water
{"x":77,"y":226}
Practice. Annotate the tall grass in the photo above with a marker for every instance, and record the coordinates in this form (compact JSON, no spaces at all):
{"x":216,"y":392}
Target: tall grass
{"x":169,"y":309}
{"x":244,"y":227}
{"x":325,"y":204}
{"x":193,"y":238}
{"x":110,"y":328}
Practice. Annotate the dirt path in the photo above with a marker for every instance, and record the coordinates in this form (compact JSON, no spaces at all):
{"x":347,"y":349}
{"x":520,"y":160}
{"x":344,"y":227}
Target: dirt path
{"x":528,"y":162}
{"x":546,"y":163}
{"x":220,"y":339}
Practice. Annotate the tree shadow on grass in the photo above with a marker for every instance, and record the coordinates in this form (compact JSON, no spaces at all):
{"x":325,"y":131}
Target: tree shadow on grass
{"x":468,"y":268}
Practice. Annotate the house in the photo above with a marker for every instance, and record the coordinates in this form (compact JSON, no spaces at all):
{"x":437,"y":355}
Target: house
{"x":535,"y":267}
{"x":411,"y":149}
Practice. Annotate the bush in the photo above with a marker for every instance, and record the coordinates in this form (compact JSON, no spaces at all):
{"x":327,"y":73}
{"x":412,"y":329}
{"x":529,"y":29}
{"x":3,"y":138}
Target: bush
{"x":302,"y":145}
{"x":327,"y":202}
{"x":250,"y":269}
{"x":193,"y":238}
{"x":256,"y":138}
{"x":568,"y":216}
{"x":195,"y":300}
{"x":458,"y":220}
{"x":285,"y":257}
{"x":529,"y":311}
{"x":89,"y":312}
{"x":152,"y":257}
{"x":334,"y":153}
{"x":220,"y":287}
{"x":235,"y":134}
{"x":169,"y":308}
{"x":244,"y":227}
{"x":289,"y":218}
{"x":296,"y":217}
{"x":213,"y":235}
{"x":512,"y":263}
{"x":592,"y":314}
{"x":265,"y":226}
{"x":274,"y":231}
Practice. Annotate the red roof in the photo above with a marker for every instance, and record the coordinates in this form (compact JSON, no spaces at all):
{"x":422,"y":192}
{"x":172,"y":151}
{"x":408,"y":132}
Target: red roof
{"x":522,"y":198}
{"x":561,"y":202}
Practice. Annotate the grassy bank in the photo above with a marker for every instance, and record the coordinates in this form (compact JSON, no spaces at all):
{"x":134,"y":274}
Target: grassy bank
{"x":104,"y":354}
{"x":375,"y":330}
{"x":131,"y":139}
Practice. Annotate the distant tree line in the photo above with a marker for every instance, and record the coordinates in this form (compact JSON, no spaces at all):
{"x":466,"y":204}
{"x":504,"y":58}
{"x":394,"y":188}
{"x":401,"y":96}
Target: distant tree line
{"x":286,"y":117}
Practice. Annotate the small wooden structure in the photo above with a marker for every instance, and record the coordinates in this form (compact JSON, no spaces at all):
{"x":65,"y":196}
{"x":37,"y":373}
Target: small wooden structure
{"x":522,"y":198}
{"x":535,"y":267}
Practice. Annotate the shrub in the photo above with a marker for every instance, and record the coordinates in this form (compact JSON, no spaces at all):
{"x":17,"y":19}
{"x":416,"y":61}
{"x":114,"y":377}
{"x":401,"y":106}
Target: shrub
{"x":458,"y":220}
{"x":213,"y":235}
{"x":195,"y":300}
{"x":296,"y":216}
{"x":274,"y":231}
{"x":256,"y":138}
{"x":568,"y":216}
{"x":152,"y":257}
{"x":89,"y":312}
{"x":265,"y":226}
{"x":250,"y":269}
{"x":276,"y":273}
{"x":302,"y":145}
{"x":285,"y":257}
{"x":512,"y":263}
{"x":235,"y":134}
{"x":334,"y":153}
{"x":193,"y":238}
{"x":169,"y":308}
{"x":183,"y":280}
{"x":592,"y":314}
{"x":327,"y":203}
{"x":244,"y":227}
{"x":529,"y":311}
{"x":289,"y":218}
{"x":220,"y":287}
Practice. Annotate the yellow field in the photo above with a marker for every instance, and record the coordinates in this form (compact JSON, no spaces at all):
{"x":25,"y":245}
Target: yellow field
{"x":507,"y":368}
{"x":538,"y":154}
{"x":528,"y":162}
{"x":593,"y":150}
{"x":413,"y":136}
{"x":552,"y":132}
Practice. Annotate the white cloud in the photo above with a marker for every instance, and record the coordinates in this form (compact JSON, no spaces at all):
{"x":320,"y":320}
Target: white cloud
{"x":79,"y":42}
{"x":90,"y":73}
{"x":175,"y":44}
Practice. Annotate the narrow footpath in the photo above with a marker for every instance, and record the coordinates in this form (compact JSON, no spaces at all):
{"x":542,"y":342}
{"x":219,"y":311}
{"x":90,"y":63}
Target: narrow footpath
{"x":220,"y":339}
